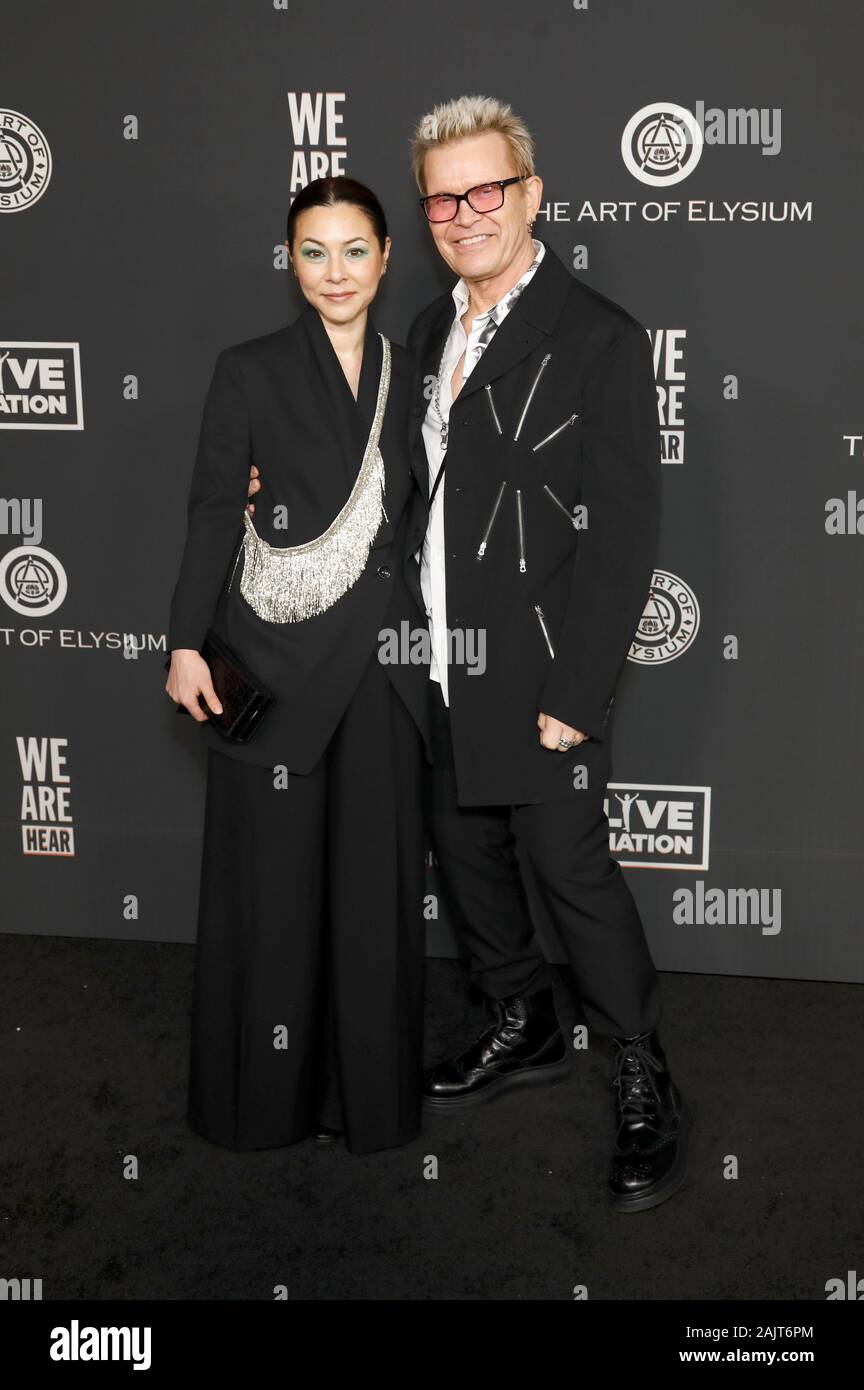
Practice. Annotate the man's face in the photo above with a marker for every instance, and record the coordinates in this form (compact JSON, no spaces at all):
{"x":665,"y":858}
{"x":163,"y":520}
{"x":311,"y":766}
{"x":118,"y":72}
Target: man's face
{"x":481,"y":245}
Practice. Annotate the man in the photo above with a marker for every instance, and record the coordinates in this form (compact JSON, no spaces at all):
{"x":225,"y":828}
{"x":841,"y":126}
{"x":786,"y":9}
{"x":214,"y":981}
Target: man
{"x":542,"y":534}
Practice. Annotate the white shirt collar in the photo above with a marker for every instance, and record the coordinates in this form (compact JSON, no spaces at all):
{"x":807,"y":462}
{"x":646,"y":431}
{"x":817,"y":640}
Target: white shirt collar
{"x":461,"y":293}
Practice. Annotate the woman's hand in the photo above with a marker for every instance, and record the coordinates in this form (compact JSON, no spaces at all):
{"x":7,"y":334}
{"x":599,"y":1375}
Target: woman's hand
{"x":254,"y":486}
{"x":188,"y":678}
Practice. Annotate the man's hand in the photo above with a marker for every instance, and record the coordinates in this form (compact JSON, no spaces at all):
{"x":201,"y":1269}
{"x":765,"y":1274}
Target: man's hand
{"x":188,"y":678}
{"x":551,"y":730}
{"x":254,"y":485}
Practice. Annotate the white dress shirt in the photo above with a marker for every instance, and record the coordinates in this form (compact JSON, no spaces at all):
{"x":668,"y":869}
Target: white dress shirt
{"x":432,"y":559}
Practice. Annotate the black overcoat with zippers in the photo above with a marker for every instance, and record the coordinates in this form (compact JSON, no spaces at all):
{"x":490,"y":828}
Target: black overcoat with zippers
{"x":559,"y":415}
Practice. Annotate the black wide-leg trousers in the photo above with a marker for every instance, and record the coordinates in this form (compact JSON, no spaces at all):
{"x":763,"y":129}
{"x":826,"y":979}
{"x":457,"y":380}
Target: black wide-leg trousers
{"x":307,"y":1005}
{"x":582,"y":888}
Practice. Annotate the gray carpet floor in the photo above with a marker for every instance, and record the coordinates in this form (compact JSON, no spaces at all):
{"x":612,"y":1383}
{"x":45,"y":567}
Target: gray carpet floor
{"x":94,"y":1055}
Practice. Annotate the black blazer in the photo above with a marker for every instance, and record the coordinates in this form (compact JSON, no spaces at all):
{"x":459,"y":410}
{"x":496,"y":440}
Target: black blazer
{"x":569,"y":372}
{"x":270,"y":404}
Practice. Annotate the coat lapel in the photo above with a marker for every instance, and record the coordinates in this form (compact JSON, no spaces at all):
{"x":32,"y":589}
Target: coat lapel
{"x":532,"y":318}
{"x":513,"y":341}
{"x":328,"y":427}
{"x":350,"y":420}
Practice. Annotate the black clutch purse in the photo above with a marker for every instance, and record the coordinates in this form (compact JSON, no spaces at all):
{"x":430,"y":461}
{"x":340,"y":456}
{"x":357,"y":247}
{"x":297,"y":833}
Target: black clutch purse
{"x":244,"y":699}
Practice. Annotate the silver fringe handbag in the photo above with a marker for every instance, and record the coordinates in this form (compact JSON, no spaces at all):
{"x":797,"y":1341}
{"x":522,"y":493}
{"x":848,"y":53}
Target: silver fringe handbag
{"x":288,"y":584}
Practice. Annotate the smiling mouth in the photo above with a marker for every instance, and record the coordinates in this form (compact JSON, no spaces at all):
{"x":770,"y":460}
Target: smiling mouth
{"x":469,"y":241}
{"x":338,"y":294}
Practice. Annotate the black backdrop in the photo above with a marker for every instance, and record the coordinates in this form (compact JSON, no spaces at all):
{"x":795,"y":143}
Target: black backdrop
{"x":148,"y":156}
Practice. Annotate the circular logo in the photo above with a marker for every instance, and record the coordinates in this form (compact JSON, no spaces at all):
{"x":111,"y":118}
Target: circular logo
{"x":662,"y":143}
{"x":25,"y":162}
{"x":669,"y":622}
{"x":32,"y":581}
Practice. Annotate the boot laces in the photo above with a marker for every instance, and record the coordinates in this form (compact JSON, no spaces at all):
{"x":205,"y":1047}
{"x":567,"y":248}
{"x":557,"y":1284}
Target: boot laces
{"x":635,"y":1081}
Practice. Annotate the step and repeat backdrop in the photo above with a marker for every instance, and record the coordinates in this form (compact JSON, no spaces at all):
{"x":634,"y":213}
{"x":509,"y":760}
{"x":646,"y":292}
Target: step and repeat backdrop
{"x":702,"y":167}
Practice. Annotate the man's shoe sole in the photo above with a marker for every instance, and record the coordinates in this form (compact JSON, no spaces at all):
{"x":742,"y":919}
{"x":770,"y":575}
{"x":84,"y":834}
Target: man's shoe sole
{"x":548,"y":1075}
{"x":672,"y":1181}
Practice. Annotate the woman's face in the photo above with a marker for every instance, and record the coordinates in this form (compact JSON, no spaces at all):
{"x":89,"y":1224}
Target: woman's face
{"x":338,"y":261}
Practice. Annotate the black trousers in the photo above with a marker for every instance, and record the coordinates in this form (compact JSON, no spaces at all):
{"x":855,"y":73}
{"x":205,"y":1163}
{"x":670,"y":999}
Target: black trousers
{"x":307,"y":1003}
{"x":582,"y":888}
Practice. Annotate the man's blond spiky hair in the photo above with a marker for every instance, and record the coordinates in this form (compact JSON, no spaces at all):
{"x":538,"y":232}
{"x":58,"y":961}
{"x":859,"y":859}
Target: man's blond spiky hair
{"x":456,"y":120}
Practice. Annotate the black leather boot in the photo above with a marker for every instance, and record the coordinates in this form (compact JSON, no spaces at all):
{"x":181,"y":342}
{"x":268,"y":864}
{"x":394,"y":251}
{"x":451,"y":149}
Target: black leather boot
{"x":524,"y":1047}
{"x":654,"y":1121}
{"x":325,"y":1135}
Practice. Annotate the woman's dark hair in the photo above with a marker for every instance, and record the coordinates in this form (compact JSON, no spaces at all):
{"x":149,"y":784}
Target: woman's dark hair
{"x":326,"y":193}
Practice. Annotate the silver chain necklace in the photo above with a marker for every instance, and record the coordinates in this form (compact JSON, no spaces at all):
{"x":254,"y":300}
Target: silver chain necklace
{"x":444,"y":425}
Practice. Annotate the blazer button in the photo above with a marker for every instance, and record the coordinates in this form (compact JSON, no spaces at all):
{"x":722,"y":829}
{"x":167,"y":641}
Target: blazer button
{"x":383,"y":571}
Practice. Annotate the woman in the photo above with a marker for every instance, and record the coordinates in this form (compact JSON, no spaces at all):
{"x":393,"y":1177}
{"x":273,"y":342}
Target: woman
{"x":307,"y":1001}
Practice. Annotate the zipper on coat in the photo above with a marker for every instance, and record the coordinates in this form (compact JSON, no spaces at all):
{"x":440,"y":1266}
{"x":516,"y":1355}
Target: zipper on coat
{"x":555,"y":433}
{"x":520,"y":517}
{"x":541,"y":618}
{"x":540,"y":372}
{"x":488,"y":390}
{"x":560,"y":505}
{"x":481,"y":550}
